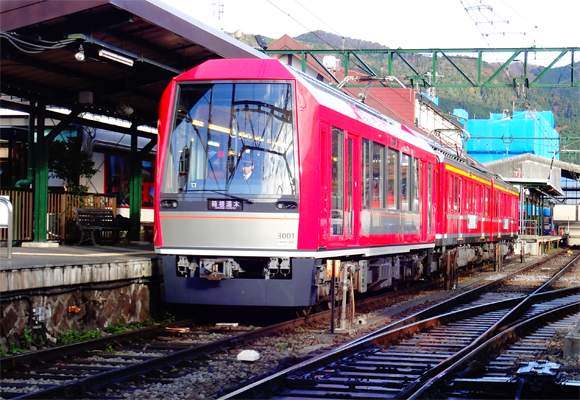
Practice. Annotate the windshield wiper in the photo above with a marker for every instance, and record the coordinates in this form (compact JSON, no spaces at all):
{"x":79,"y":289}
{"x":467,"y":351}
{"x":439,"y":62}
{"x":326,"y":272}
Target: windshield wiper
{"x":231,"y":196}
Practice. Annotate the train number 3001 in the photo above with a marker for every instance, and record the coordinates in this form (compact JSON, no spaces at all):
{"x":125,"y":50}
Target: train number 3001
{"x":286,"y":239}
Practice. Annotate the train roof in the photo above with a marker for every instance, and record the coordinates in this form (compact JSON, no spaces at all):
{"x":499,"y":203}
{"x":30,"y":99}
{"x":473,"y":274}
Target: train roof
{"x":229,"y":69}
{"x":325,"y":94}
{"x":329,"y":96}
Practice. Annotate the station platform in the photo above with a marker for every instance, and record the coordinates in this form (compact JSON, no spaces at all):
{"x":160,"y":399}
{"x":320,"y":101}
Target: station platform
{"x":537,"y":245}
{"x":44,"y":267}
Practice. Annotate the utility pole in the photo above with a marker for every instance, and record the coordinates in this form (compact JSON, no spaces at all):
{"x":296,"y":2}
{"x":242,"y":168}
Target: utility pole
{"x":220,"y":12}
{"x":431,"y":93}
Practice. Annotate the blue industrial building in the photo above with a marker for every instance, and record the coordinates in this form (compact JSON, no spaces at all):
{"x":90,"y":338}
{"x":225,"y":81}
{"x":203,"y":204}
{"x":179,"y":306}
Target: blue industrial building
{"x":503,"y":136}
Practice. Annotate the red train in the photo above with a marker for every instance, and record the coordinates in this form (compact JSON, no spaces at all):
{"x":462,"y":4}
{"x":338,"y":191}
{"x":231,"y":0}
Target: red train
{"x":264,"y":174}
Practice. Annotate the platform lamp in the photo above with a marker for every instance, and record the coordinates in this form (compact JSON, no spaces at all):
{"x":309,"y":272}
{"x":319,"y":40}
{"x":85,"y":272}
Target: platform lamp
{"x":80,"y":55}
{"x":115,"y":57}
{"x":124,"y":109}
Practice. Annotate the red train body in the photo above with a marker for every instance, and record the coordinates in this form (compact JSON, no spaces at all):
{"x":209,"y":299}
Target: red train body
{"x":265,"y":174}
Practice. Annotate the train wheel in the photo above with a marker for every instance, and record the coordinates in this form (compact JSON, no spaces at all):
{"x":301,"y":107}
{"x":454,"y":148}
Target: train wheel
{"x":303,"y":311}
{"x":329,"y":304}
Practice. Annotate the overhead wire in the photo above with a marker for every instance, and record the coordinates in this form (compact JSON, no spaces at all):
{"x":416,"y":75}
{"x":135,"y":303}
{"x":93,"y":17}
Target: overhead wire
{"x":573,"y":68}
{"x":335,"y":31}
{"x":536,"y":27}
{"x":322,"y":39}
{"x":354,"y":46}
{"x":301,"y":24}
{"x":358,"y":48}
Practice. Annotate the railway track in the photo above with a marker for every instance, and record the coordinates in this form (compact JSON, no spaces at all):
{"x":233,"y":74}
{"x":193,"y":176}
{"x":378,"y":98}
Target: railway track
{"x":522,"y":369}
{"x":84,"y":370}
{"x":399,"y":360}
{"x":69,"y":371}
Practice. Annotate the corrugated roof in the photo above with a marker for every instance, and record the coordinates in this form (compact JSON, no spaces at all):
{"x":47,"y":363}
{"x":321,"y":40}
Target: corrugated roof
{"x":40,"y":39}
{"x":569,"y":170}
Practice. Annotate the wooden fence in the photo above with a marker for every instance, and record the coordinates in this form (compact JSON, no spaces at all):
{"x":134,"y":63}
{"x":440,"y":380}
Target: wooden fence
{"x":60,"y":219}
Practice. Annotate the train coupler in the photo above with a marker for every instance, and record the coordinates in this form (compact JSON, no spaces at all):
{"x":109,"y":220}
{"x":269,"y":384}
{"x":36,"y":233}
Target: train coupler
{"x":216,"y":269}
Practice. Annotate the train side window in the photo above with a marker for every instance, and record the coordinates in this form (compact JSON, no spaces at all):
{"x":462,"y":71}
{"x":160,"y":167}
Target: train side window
{"x":337,"y":177}
{"x":505,"y":203}
{"x":496,"y":204}
{"x":450,"y":194}
{"x":467,"y":196}
{"x":455,"y":193}
{"x":486,"y":201}
{"x":476,"y":197}
{"x":473,"y":197}
{"x":393,"y":179}
{"x":429,"y":198}
{"x":405,"y":181}
{"x":366,"y":173}
{"x":378,"y":176}
{"x":459,"y":194}
{"x":416,"y":184}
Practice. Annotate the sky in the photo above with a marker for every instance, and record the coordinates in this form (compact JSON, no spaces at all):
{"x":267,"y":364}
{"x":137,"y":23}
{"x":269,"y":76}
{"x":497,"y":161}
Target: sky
{"x":408,"y":24}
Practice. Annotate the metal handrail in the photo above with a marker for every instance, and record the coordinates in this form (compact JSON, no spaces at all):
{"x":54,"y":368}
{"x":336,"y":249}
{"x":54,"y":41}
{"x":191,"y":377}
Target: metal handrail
{"x":7,"y":222}
{"x":529,"y":225}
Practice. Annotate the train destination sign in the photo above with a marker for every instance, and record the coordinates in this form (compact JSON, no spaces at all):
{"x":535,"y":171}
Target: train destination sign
{"x":224,"y":205}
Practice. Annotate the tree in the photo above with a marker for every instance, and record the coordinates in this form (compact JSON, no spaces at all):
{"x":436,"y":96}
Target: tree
{"x":68,"y":161}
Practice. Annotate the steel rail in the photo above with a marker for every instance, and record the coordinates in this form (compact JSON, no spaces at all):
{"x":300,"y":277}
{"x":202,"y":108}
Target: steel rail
{"x":257,"y":389}
{"x":454,"y":301}
{"x":100,"y":380}
{"x":68,"y":350}
{"x":403,"y":328}
{"x":518,"y":330}
{"x":510,"y":321}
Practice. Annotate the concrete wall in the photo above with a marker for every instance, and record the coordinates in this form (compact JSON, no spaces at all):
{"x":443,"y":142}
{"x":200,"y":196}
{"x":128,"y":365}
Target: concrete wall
{"x":565,"y":213}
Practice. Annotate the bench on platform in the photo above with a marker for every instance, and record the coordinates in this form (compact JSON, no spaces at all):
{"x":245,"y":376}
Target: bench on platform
{"x":91,"y":220}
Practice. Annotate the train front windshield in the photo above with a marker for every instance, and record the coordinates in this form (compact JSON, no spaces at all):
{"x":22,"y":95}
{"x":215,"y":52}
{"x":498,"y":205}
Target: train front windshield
{"x":235,"y":138}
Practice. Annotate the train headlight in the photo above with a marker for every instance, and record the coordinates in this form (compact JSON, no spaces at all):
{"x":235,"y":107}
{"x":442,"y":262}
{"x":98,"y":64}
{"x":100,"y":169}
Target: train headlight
{"x":286,"y":205}
{"x":168,"y":203}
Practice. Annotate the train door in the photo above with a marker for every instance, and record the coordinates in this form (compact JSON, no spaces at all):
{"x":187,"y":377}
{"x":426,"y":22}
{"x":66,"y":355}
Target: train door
{"x":429,"y":213}
{"x":343,"y":218}
{"x":496,"y":212}
{"x":444,"y":200}
{"x":488,"y":216}
{"x":437,"y":206}
{"x":325,"y":183}
{"x":427,"y":223}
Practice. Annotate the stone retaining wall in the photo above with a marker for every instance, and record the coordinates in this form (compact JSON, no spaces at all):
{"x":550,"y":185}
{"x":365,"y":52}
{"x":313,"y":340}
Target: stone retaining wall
{"x":78,"y":309}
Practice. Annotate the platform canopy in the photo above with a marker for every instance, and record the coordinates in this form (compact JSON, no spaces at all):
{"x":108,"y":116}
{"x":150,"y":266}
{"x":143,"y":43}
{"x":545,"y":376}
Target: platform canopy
{"x":105,"y":57}
{"x":101,"y":64}
{"x":535,"y":172}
